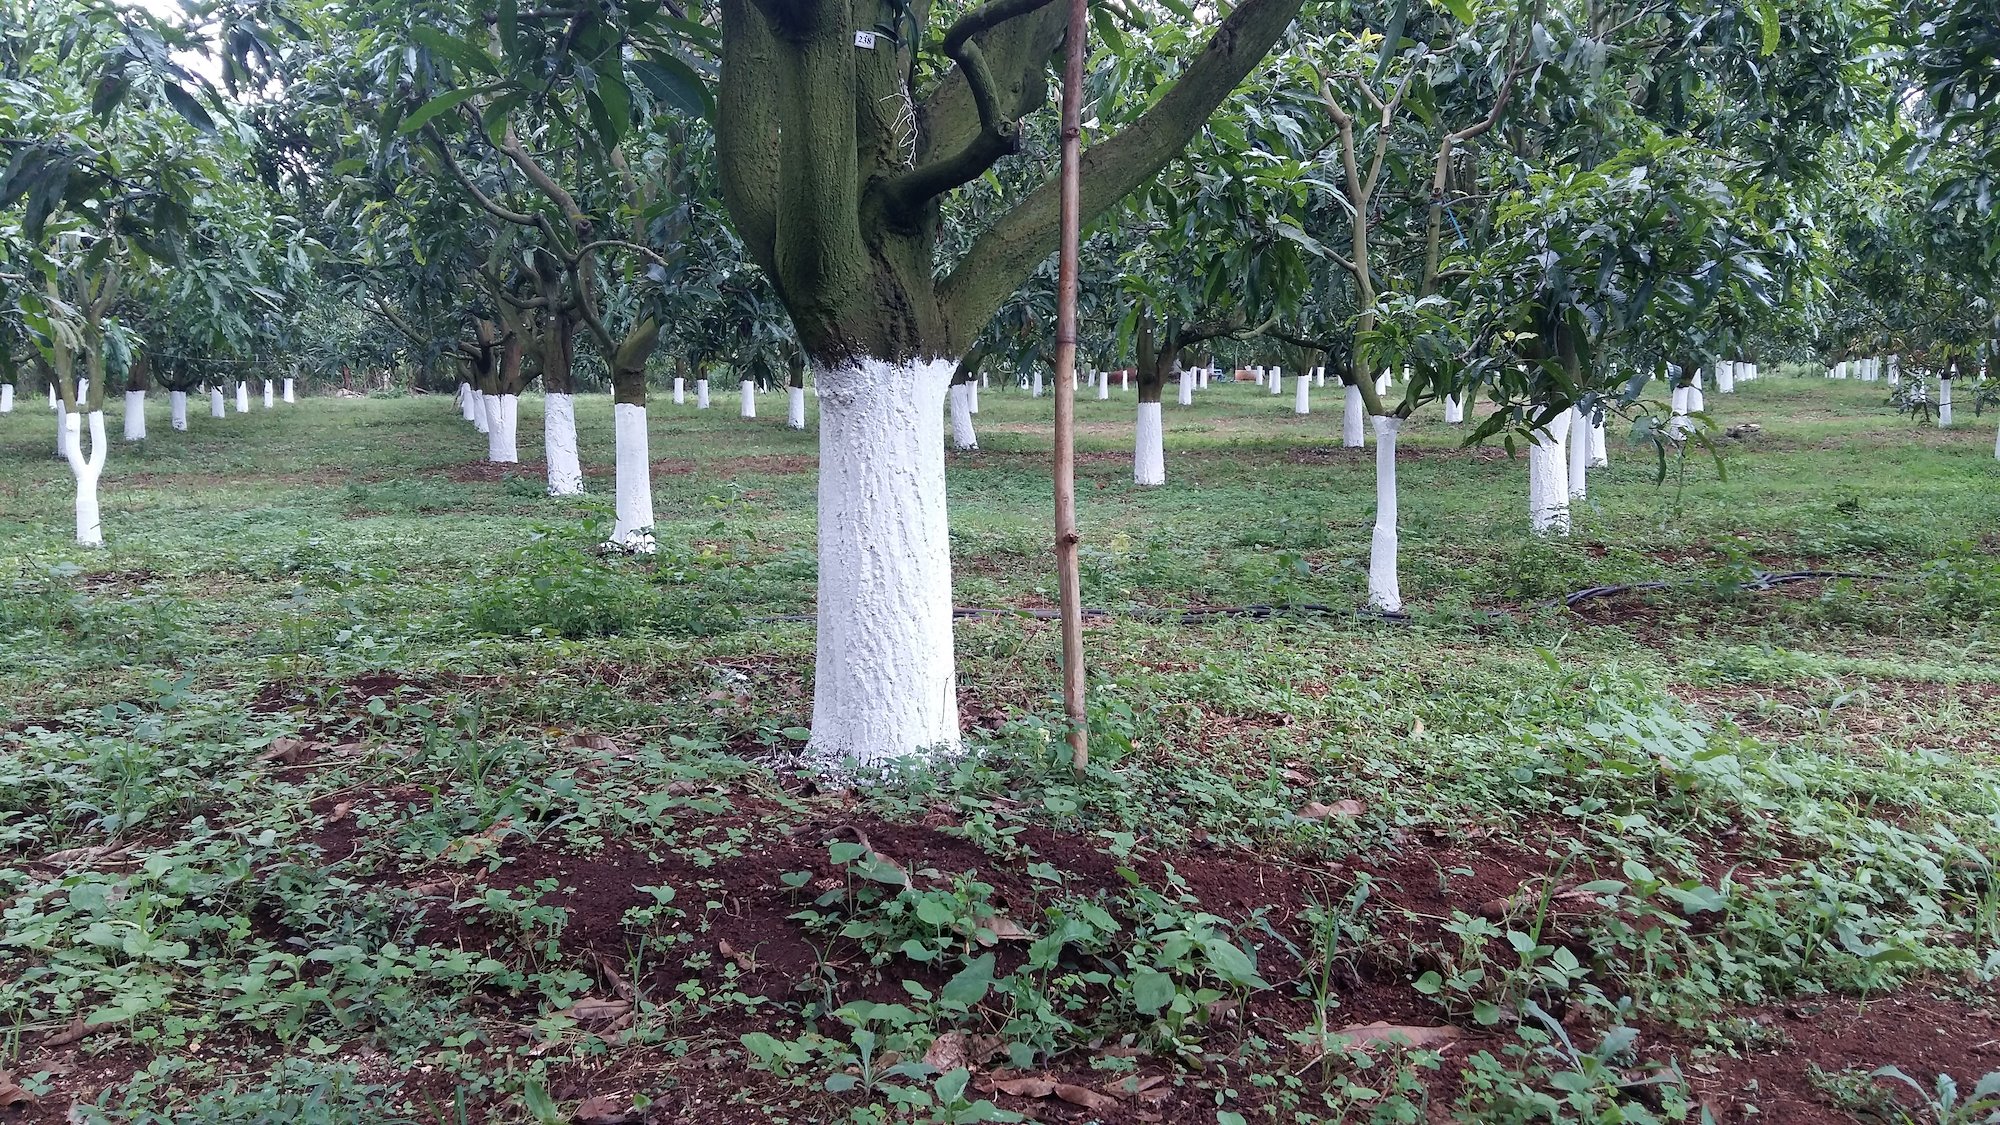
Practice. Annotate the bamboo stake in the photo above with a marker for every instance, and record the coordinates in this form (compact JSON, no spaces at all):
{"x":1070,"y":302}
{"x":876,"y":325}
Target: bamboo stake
{"x":1068,"y":576}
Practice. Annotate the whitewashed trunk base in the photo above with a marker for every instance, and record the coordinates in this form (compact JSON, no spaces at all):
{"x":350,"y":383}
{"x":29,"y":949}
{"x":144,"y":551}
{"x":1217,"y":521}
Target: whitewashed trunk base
{"x":63,"y":431}
{"x":680,"y":390}
{"x":795,"y":408}
{"x":1301,"y":396}
{"x":1353,"y":417}
{"x":747,"y":396}
{"x":1454,"y":409}
{"x":701,"y":394}
{"x":885,"y":684}
{"x":291,"y":390}
{"x":633,"y":529}
{"x":962,"y":435}
{"x":1384,"y":587}
{"x":177,"y":403}
{"x":559,"y":444}
{"x":87,"y":470}
{"x":135,"y":415}
{"x":242,"y":397}
{"x":6,"y":398}
{"x":1548,"y":478}
{"x":1578,"y":448}
{"x":1600,"y":458}
{"x":1944,"y":404}
{"x":1149,"y":447}
{"x":270,"y":395}
{"x":503,"y":413}
{"x":216,"y":409}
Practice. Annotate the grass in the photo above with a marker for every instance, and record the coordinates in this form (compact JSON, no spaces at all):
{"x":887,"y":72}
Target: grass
{"x":348,"y":782}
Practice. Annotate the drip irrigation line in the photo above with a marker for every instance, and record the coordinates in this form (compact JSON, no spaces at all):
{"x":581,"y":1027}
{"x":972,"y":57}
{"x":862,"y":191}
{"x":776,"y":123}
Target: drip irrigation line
{"x":1758,"y":581}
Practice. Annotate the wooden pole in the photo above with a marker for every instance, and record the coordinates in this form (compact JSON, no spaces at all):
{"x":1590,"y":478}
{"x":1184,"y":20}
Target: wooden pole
{"x":1068,"y":576}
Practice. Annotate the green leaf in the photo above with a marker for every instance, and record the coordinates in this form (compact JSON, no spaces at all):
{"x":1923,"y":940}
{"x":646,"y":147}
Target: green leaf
{"x":510,"y":23}
{"x":1152,"y":991}
{"x":1231,"y":963}
{"x":1767,"y":22}
{"x":674,"y":83}
{"x":971,"y":984}
{"x":423,"y":113}
{"x":457,"y":50}
{"x":1461,"y":10}
{"x":187,"y":106}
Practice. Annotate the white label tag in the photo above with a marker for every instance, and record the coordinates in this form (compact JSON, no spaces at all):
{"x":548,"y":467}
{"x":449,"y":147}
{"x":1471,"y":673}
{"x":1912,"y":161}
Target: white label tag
{"x":865,"y":40}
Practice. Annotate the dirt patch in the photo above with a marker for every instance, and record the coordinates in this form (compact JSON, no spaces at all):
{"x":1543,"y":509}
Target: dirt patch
{"x":1923,"y":1035}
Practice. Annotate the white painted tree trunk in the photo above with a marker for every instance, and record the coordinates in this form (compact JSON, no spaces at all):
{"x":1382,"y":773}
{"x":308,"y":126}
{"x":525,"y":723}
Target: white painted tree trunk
{"x":1353,"y":415}
{"x":1725,"y":377}
{"x":1678,"y":423}
{"x":1578,"y":448}
{"x":1454,"y":409}
{"x":1035,"y":391}
{"x":701,"y":394}
{"x":1184,"y":387}
{"x":972,"y":398}
{"x":482,"y":411}
{"x":216,"y":408}
{"x":885,"y":683}
{"x":680,"y":390}
{"x":53,"y":400}
{"x":1384,"y":590}
{"x":1944,"y":404}
{"x":1301,"y":395}
{"x":747,"y":392}
{"x":1319,"y":376}
{"x":1382,"y":384}
{"x":633,"y":529}
{"x":6,"y":398}
{"x":242,"y":397}
{"x":1548,"y":478}
{"x":1124,"y":381}
{"x":559,"y":444}
{"x":63,"y":431}
{"x":291,"y":389}
{"x":135,"y":415}
{"x":1104,"y":384}
{"x":503,"y":413}
{"x":87,"y":470}
{"x":1207,"y":373}
{"x":1149,"y":447}
{"x":177,"y":402}
{"x":962,"y":435}
{"x":1895,"y":370}
{"x":795,"y":408}
{"x":1277,"y":380}
{"x":1600,"y":458}
{"x":270,"y":394}
{"x":1697,"y":402}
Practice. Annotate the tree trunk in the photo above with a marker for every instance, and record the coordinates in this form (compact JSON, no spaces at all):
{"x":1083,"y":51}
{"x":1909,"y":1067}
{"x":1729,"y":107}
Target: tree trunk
{"x":1548,"y":478}
{"x":1353,"y":418}
{"x":1578,"y":448}
{"x":885,"y":685}
{"x":1384,"y":586}
{"x":795,"y":394}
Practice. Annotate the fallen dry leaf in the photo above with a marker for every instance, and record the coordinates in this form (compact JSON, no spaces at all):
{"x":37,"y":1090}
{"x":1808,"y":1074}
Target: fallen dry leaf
{"x":11,"y":1095}
{"x":95,"y":853}
{"x":1085,"y":1097}
{"x":286,"y":751}
{"x":1382,"y":1033}
{"x":1347,"y":808}
{"x":604,"y":1109}
{"x":591,"y":742}
{"x":1021,"y":1087}
{"x":995,"y":928}
{"x":1135,"y":1086}
{"x":338,"y":813}
{"x":744,"y":961}
{"x":607,"y":971}
{"x":76,"y":1032}
{"x":948,"y":1052}
{"x":591,"y":1010}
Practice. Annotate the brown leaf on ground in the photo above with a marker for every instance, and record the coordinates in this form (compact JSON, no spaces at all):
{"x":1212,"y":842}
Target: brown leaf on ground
{"x":607,"y":971}
{"x":948,"y":1052}
{"x":1019,"y":1087}
{"x":605,"y":1109}
{"x":76,"y":1032}
{"x":1141,"y":1086}
{"x":1085,"y":1097}
{"x":744,"y":961}
{"x":1347,"y":808}
{"x":338,"y":813}
{"x":286,"y":751}
{"x":591,"y":742}
{"x":96,"y":853}
{"x":13,"y":1096}
{"x":995,"y":928}
{"x":1382,"y":1033}
{"x":591,"y":1010}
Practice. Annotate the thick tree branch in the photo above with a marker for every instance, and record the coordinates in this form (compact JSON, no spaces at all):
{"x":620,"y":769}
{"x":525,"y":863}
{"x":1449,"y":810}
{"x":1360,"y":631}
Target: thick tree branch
{"x":485,"y":202}
{"x":1110,"y":170}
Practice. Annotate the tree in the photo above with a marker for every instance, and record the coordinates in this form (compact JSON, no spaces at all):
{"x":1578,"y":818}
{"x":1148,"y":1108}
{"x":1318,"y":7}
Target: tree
{"x":836,"y":143}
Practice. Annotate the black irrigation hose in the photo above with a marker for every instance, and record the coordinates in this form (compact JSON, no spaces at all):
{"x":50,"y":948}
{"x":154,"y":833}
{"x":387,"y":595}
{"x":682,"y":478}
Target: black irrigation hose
{"x":1759,"y":580}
